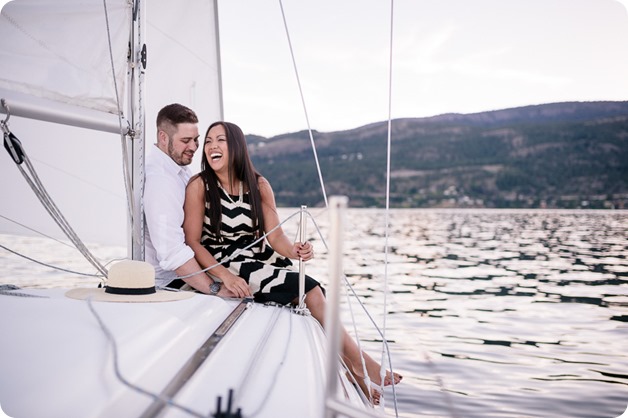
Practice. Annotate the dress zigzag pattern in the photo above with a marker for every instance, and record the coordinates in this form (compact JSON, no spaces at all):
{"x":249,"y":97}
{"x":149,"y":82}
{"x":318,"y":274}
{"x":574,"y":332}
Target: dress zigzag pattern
{"x":268,"y":273}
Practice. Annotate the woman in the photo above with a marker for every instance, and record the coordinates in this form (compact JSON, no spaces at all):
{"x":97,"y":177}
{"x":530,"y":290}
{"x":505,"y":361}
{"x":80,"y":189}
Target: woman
{"x":229,"y":205}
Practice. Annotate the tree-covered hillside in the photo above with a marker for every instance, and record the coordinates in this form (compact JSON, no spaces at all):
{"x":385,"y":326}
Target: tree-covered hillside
{"x":555,"y":155}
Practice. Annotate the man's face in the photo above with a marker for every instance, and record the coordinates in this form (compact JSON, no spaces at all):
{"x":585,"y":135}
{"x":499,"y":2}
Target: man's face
{"x":183,"y":144}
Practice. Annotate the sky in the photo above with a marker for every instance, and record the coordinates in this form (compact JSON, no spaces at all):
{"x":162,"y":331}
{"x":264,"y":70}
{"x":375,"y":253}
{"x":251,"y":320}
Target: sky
{"x":458,"y":56}
{"x":447,"y":56}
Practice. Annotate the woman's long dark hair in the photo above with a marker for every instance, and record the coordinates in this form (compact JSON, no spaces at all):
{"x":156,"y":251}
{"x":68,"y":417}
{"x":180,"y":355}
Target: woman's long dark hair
{"x":240,"y":166}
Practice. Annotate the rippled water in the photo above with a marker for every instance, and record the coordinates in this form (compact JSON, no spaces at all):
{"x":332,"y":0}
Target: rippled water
{"x":490,"y":313}
{"x":500,"y":313}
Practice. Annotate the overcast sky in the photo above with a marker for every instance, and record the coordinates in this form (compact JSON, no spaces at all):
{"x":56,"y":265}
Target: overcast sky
{"x":448,"y":56}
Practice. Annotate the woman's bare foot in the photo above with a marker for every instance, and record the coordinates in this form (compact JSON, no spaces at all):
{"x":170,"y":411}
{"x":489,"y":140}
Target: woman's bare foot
{"x":388,"y":380}
{"x":372,"y":393}
{"x":373,"y":370}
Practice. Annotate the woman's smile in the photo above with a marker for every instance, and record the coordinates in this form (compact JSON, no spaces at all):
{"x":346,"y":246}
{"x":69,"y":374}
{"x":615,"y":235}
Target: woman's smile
{"x":216,"y":148}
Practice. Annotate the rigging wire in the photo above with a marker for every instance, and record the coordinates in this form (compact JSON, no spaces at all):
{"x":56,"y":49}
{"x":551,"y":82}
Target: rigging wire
{"x":100,"y":276}
{"x":320,"y":175}
{"x":357,"y":297}
{"x":307,"y":119}
{"x":89,"y":183}
{"x":32,"y":178}
{"x":367,"y":379}
{"x":58,"y":241}
{"x":382,"y":372}
{"x":441,"y":384}
{"x":36,"y":231}
{"x":384,"y":345}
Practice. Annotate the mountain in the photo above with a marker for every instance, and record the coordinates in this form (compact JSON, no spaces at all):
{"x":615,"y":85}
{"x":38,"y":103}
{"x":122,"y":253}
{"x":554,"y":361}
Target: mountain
{"x":559,"y":155}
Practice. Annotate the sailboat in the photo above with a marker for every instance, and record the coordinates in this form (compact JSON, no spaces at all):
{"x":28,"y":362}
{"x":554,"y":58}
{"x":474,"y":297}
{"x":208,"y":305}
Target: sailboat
{"x":106,"y":67}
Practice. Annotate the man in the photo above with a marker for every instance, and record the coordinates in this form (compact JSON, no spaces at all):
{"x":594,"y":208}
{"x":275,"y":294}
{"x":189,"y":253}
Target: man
{"x":167,"y":175}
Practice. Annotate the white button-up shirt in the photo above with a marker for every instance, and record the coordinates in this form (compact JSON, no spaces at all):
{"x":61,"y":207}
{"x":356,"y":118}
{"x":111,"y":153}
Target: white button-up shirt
{"x":164,"y":194}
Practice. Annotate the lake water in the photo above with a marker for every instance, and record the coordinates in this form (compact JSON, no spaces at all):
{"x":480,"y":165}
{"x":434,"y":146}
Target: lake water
{"x":490,"y":313}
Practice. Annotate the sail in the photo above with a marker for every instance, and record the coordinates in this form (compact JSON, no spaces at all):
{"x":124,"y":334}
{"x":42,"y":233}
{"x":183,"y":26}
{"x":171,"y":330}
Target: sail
{"x":183,"y":64}
{"x":55,"y":66}
{"x":53,"y":56}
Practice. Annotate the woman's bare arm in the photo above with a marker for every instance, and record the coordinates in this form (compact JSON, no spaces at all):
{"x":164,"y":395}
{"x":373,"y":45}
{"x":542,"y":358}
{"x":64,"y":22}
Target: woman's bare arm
{"x":194,"y":209}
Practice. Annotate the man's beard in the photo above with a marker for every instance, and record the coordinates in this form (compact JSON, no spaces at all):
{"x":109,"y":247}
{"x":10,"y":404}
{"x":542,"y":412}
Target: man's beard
{"x":178,"y":158}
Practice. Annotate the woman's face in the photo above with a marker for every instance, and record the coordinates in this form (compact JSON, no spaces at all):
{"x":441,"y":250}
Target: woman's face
{"x":216,"y":149}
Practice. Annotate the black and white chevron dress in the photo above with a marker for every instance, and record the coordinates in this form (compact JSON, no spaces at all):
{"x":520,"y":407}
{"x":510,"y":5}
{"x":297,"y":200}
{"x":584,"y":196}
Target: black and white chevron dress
{"x":267,"y":272}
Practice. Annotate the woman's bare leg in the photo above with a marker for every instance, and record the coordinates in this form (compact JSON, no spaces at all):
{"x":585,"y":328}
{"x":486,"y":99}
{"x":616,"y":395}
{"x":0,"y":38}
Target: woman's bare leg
{"x":316,"y":302}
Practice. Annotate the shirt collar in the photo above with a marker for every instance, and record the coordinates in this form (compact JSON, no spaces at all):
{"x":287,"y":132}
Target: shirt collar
{"x":169,"y":164}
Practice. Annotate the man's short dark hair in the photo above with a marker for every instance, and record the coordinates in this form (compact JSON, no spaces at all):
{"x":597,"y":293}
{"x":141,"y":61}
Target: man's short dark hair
{"x":174,"y":114}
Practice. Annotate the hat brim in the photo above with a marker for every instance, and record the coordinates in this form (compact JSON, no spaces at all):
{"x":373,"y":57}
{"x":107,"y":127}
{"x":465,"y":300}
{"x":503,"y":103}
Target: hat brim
{"x":99,"y":295}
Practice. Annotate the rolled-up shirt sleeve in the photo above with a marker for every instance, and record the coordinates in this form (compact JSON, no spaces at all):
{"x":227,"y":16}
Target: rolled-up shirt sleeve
{"x":164,"y":195}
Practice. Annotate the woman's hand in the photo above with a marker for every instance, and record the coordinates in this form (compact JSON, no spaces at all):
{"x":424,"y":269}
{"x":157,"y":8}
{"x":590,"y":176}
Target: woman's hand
{"x":304,"y":251}
{"x":237,"y":285}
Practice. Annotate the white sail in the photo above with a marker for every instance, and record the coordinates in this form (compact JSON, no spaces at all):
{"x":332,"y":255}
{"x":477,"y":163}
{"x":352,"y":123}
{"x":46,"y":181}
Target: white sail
{"x":72,"y":85}
{"x":40,"y":73}
{"x":183,"y":61}
{"x":60,"y":52}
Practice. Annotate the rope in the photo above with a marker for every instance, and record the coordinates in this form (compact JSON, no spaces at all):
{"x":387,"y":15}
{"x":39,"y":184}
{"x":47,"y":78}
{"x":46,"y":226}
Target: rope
{"x":236,"y":253}
{"x":122,"y":379}
{"x":307,"y":119}
{"x":10,"y":290}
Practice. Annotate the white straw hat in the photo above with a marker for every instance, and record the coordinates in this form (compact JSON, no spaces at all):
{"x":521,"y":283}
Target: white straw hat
{"x":129,"y":281}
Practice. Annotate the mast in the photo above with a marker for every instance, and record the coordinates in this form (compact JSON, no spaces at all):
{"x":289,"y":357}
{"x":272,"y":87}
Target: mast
{"x":137,"y":67}
{"x":220,"y":110}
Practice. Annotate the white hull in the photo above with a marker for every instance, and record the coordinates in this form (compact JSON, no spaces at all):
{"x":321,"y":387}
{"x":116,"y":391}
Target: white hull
{"x":56,"y":358}
{"x":58,"y":362}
